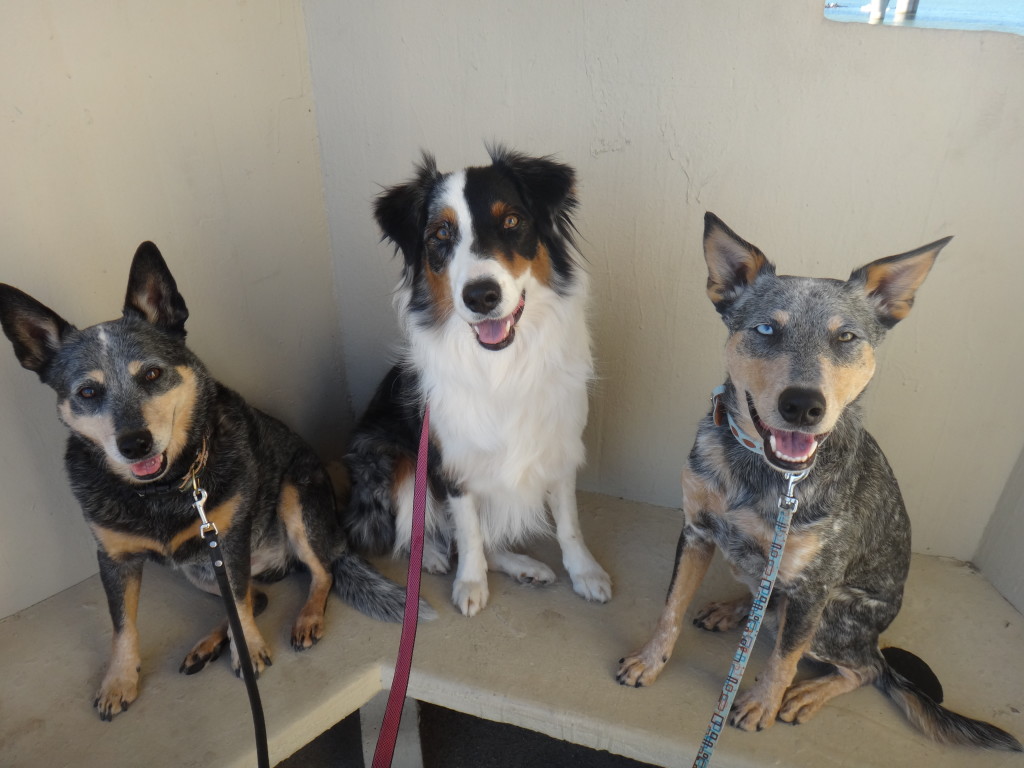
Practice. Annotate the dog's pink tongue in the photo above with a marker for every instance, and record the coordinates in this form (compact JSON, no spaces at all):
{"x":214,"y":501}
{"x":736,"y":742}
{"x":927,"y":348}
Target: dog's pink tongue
{"x":147,"y":467}
{"x":493,"y":331}
{"x":797,"y":445}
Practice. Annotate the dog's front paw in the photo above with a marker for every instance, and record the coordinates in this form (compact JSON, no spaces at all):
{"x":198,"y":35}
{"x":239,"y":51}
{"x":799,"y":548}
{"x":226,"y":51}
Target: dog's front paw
{"x":115,"y":694}
{"x":470,"y":596}
{"x":435,"y":561}
{"x":259,"y":653}
{"x":307,"y":632}
{"x":641,"y":668}
{"x":752,"y":713}
{"x":206,"y":651}
{"x":522,"y":568}
{"x":720,"y":617}
{"x":593,"y":584}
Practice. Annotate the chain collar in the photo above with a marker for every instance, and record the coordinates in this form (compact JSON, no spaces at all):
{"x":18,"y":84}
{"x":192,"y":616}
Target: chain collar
{"x":189,"y":481}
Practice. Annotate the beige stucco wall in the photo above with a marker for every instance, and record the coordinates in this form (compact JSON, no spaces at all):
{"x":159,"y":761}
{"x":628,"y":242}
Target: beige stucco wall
{"x":191,"y":124}
{"x":827,"y":144}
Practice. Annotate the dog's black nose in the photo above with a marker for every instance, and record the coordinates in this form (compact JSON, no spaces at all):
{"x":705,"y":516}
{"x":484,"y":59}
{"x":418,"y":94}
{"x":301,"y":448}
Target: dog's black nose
{"x":482,"y":296}
{"x":801,"y":407}
{"x":135,"y":445}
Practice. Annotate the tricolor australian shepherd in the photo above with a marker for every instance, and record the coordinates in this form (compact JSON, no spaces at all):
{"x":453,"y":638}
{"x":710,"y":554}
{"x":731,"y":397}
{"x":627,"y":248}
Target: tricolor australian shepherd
{"x":492,"y":304}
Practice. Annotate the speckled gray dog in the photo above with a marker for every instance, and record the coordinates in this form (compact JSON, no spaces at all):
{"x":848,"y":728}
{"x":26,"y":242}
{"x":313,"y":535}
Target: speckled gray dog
{"x":799,"y":354}
{"x":146,"y":418}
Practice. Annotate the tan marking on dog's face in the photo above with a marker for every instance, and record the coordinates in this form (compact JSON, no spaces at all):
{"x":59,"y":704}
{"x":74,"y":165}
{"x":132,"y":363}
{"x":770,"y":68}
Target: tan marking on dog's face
{"x":540,"y":265}
{"x":438,"y":280}
{"x":763,"y":378}
{"x":118,"y":544}
{"x":169,"y":416}
{"x":221,"y":516}
{"x":841,"y":384}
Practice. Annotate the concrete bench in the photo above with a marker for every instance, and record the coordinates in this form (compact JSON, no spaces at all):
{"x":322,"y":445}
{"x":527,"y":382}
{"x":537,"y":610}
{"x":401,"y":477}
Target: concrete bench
{"x":540,"y":658}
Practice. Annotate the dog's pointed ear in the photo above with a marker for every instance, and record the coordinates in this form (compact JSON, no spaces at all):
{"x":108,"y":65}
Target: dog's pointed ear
{"x":400,"y":210}
{"x":152,"y":293}
{"x":891,"y":283}
{"x":733,"y":263}
{"x":545,"y":183}
{"x":36,"y":331}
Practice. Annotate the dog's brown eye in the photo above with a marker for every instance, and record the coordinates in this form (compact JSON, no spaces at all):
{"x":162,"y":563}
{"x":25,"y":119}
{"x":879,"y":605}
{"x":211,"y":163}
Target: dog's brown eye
{"x":87,"y":393}
{"x":153,"y":374}
{"x":443,"y":233}
{"x":511,"y":221}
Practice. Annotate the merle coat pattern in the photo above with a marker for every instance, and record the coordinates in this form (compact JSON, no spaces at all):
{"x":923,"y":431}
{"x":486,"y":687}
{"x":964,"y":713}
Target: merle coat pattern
{"x":799,"y":354}
{"x":145,"y":417}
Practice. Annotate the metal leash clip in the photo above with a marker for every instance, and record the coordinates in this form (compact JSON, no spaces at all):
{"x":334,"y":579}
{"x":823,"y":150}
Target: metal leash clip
{"x":198,"y":500}
{"x":787,"y":501}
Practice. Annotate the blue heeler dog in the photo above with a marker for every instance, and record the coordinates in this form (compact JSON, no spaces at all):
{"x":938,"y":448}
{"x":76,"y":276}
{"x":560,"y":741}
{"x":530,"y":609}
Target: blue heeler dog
{"x":146,"y":417}
{"x":799,"y":354}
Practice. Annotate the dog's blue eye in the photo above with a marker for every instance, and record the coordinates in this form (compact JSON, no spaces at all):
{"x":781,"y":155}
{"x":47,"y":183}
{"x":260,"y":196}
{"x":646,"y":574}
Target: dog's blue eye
{"x":846,"y":336}
{"x":765,"y":329}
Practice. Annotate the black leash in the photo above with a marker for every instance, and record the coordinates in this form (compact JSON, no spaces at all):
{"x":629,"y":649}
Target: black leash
{"x":248,"y":674}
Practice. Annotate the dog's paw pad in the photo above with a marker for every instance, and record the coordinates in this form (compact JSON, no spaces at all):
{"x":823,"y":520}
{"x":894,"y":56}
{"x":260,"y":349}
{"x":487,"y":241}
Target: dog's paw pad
{"x":436,"y":563}
{"x":470,"y":596}
{"x":537,"y":574}
{"x":636,"y":672}
{"x":802,"y":702}
{"x":722,"y":616}
{"x":114,"y":697}
{"x":205,"y":652}
{"x":749,"y":713}
{"x":594,"y":585}
{"x":258,"y":654}
{"x":306,"y":633}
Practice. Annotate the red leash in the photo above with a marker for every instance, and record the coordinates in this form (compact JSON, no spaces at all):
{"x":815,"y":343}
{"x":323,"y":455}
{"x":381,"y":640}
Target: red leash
{"x":385,"y":751}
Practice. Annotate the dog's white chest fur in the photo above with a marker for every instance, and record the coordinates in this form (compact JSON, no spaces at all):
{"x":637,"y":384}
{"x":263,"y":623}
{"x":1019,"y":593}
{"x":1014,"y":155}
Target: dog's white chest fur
{"x":510,"y":422}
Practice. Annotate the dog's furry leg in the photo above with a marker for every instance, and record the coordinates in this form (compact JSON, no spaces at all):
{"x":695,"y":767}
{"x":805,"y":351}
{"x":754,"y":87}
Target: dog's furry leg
{"x":692,"y":560}
{"x":470,"y":591}
{"x":522,"y":568}
{"x":757,"y":709}
{"x":122,"y":580}
{"x":589,"y":579}
{"x":802,"y":701}
{"x":209,"y":648}
{"x":291,"y":508}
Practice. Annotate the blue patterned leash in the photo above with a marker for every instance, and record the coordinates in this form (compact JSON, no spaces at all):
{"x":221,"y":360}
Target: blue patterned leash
{"x":788,"y":505}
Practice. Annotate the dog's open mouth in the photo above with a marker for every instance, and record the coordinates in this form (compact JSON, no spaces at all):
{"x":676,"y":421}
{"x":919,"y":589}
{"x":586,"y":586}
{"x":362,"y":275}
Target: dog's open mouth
{"x":149,"y":469}
{"x":791,"y":451}
{"x":498,"y":334}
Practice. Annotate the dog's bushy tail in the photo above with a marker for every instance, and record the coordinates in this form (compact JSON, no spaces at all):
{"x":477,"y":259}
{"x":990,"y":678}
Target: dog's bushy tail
{"x":926,"y":714}
{"x":369,"y":519}
{"x":364,"y":588}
